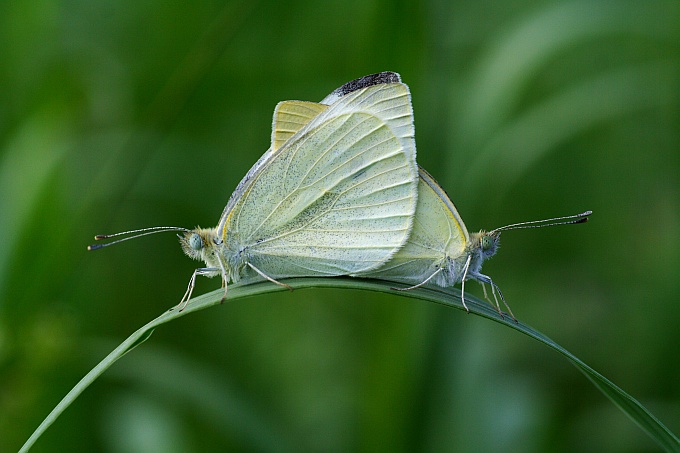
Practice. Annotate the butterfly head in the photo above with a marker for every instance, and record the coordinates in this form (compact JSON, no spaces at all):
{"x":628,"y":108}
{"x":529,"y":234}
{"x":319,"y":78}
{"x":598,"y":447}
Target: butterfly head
{"x":489,"y":243}
{"x":201,"y":244}
{"x":484,"y":244}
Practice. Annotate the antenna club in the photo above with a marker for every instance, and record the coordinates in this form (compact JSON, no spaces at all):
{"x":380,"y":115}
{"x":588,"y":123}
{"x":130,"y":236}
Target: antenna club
{"x":95,"y":246}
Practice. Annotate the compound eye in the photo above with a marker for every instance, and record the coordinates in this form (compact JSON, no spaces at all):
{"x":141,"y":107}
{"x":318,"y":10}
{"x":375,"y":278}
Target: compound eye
{"x":195,"y":242}
{"x":487,"y":242}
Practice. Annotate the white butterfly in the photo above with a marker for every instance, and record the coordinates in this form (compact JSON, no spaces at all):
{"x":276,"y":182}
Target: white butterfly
{"x":439,"y":250}
{"x":334,"y":195}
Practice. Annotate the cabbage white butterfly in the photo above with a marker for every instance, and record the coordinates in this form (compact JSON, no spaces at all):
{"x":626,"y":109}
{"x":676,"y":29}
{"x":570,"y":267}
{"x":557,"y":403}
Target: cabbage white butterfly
{"x":440,"y":249}
{"x":335,"y":194}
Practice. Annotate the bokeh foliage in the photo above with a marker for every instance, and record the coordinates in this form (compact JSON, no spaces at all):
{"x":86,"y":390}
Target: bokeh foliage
{"x":117,"y":115}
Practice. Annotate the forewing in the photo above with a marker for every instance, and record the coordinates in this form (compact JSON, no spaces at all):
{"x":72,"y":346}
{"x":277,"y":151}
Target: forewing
{"x":290,"y":117}
{"x":361,"y":82}
{"x":339,"y":195}
{"x":437,"y":232}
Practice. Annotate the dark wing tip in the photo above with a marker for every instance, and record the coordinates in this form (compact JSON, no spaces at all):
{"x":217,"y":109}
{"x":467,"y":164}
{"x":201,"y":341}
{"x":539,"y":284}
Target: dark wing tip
{"x":368,"y":81}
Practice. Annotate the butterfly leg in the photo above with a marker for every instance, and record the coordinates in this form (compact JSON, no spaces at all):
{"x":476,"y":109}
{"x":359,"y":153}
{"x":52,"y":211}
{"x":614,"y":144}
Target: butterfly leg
{"x":462,"y":282}
{"x":187,"y":294}
{"x":495,"y":298}
{"x":190,"y":288}
{"x":486,"y":295}
{"x":225,"y":279}
{"x":493,"y":285}
{"x":263,"y":275}
{"x":494,"y":288}
{"x":421,"y":283}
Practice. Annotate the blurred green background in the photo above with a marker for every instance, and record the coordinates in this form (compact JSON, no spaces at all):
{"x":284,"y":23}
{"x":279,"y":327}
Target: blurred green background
{"x":128,"y":114}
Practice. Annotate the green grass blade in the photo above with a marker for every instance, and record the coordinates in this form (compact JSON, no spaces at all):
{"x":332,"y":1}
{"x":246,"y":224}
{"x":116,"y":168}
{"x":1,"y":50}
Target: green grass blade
{"x":449,"y":297}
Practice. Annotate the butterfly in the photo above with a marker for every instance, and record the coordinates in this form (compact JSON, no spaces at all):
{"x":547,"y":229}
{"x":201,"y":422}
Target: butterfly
{"x":440,"y":250}
{"x":335,"y":194}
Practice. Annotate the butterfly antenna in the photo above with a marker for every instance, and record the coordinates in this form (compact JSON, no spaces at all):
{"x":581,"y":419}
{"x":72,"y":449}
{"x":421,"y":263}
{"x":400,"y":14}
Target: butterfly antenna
{"x":135,"y":234}
{"x":567,"y":220}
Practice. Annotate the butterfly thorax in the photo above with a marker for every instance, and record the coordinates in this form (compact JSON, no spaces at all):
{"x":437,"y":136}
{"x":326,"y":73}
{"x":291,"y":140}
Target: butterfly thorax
{"x":236,"y":256}
{"x":452,"y":270}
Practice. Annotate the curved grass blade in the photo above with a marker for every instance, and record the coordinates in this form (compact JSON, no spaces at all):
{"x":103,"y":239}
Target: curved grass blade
{"x":445,"y":296}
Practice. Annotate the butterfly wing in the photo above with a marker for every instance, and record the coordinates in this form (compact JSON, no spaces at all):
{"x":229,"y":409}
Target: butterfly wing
{"x":361,"y":82}
{"x":291,"y":116}
{"x":438,"y":231}
{"x":337,"y":197}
